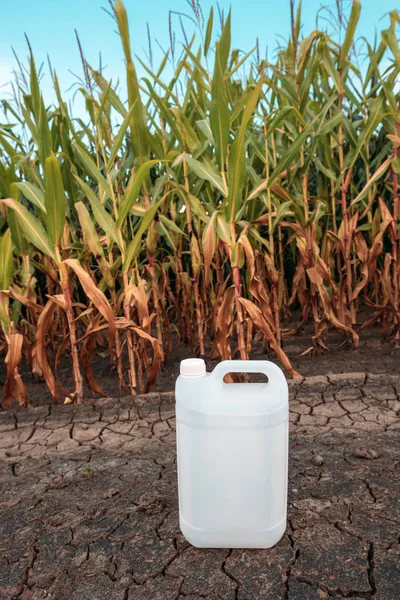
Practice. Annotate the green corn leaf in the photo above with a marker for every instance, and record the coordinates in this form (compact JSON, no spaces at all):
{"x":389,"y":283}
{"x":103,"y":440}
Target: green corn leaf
{"x":92,"y":240}
{"x":139,"y":133}
{"x":375,"y":117}
{"x":350,"y":32}
{"x":284,"y":210}
{"x":197,"y":63}
{"x":237,"y":158}
{"x":331,"y":68}
{"x":374,"y":60}
{"x":164,"y":109}
{"x":171,"y":225}
{"x":135,"y":245}
{"x":18,"y":237}
{"x":7,"y":147}
{"x":281,"y":115}
{"x":331,"y":124}
{"x":375,"y":177}
{"x":102,"y":217}
{"x":33,"y":193}
{"x":31,"y":228}
{"x":133,"y":190}
{"x":19,"y":240}
{"x":391,"y":97}
{"x":89,"y":230}
{"x":396,"y":165}
{"x":123,"y":27}
{"x":219,"y":112}
{"x":205,"y":170}
{"x":91,"y":168}
{"x":165,"y":232}
{"x":6,"y":261}
{"x":119,"y":139}
{"x":31,"y":125}
{"x":297,"y":27}
{"x":187,"y":133}
{"x":350,"y":132}
{"x":114,"y":100}
{"x":236,"y":177}
{"x":208,"y":32}
{"x":44,"y":135}
{"x":389,"y":39}
{"x":54,"y":200}
{"x":34,"y":85}
{"x":166,"y":88}
{"x":240,"y":63}
{"x":209,"y":244}
{"x":204,"y":126}
{"x":223,"y":230}
{"x":104,"y":106}
{"x":196,"y":205}
{"x":326,"y":171}
{"x":365,"y":227}
{"x":197,"y":208}
{"x":225,"y":43}
{"x":162,"y":64}
{"x":293,"y":152}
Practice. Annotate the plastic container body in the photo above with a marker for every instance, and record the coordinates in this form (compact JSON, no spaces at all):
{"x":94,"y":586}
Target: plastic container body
{"x":232,"y":456}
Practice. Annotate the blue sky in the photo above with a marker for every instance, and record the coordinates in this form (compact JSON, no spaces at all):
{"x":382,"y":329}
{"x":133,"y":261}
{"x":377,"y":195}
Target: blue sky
{"x":50,"y":26}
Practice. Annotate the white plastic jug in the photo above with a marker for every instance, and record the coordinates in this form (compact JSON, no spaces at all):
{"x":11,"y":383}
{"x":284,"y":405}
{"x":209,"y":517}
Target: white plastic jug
{"x":232,"y":455}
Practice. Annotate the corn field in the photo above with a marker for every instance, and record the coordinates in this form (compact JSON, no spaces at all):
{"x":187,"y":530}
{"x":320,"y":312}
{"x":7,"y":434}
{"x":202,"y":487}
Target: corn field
{"x":228,"y":199}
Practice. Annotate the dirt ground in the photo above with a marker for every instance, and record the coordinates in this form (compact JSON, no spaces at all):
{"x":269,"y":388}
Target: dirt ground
{"x":374,"y":355}
{"x":89,"y":502}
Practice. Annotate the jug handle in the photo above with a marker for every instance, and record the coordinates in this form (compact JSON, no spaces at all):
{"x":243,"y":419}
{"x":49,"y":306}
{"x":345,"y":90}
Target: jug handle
{"x":268,"y":368}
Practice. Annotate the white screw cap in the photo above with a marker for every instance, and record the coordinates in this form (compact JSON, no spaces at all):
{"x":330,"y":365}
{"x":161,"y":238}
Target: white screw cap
{"x":192,"y":368}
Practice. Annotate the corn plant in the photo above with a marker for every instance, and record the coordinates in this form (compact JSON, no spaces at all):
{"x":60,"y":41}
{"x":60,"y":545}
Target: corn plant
{"x":233,"y":201}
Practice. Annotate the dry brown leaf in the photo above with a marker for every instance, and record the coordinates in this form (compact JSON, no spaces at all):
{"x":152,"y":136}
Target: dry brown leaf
{"x":256,"y":316}
{"x":135,"y":296}
{"x":364,"y":452}
{"x":44,"y":321}
{"x":224,"y":323}
{"x":96,"y":296}
{"x":86,"y":355}
{"x":14,"y":387}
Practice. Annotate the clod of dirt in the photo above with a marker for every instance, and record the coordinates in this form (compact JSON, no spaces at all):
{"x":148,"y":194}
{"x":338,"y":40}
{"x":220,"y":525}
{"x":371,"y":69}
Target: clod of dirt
{"x":151,"y":503}
{"x":364,"y":452}
{"x":318,"y":460}
{"x":111,"y":493}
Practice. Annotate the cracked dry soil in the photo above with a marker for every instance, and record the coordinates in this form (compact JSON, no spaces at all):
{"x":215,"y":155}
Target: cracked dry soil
{"x":88,"y":509}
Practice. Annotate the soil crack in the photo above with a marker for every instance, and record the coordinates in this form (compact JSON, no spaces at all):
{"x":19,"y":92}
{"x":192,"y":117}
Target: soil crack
{"x":371,"y":567}
{"x":369,"y":488}
{"x":229,"y":575}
